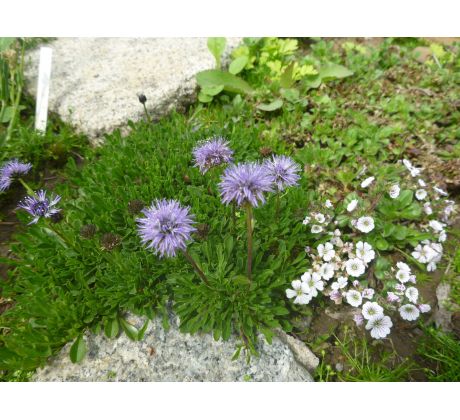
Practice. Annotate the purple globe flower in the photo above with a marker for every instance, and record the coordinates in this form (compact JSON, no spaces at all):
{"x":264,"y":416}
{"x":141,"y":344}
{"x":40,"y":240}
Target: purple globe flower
{"x":11,"y":169}
{"x":40,"y":206}
{"x":245,"y":183}
{"x":283,"y":171}
{"x":166,"y":227}
{"x":212,"y":152}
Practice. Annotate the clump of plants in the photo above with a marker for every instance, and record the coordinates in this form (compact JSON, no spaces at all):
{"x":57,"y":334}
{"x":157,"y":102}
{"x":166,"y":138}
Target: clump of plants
{"x":351,"y":238}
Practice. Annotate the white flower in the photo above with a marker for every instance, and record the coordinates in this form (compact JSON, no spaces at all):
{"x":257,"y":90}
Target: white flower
{"x":326,"y":251}
{"x":379,"y":325}
{"x":403,"y":276}
{"x":365,"y":251}
{"x":412,"y":294}
{"x":319,"y":217}
{"x":431,"y":266}
{"x":392,"y":297}
{"x":440,"y":191}
{"x":371,"y":309}
{"x":368,"y":293}
{"x":365,"y":224}
{"x":306,"y":221}
{"x":421,"y":194}
{"x":300,"y":292}
{"x":424,"y":307}
{"x":423,"y":253}
{"x":327,"y":271}
{"x":328,"y":204}
{"x":313,"y":283}
{"x":409,"y":312}
{"x":340,"y":283}
{"x":412,"y":278}
{"x":352,"y":205}
{"x":354,"y":298}
{"x":316,"y":229}
{"x":421,"y":182}
{"x":412,"y":169}
{"x":400,"y":287}
{"x":442,"y":236}
{"x":394,"y":191}
{"x":427,"y":209}
{"x":367,"y":182}
{"x":355,"y":267}
{"x":436,"y":226}
{"x":403,"y":266}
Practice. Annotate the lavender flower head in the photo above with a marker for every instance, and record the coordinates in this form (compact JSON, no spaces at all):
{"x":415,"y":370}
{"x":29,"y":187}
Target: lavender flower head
{"x":283,"y":171}
{"x":11,"y":169}
{"x":245,"y":183}
{"x":212,"y":152}
{"x":166,"y":227}
{"x":40,"y":206}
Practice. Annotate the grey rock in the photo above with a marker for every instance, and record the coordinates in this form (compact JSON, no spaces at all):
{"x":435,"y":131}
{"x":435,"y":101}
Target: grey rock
{"x":442,"y":315}
{"x":173,"y":356}
{"x":301,"y":352}
{"x":95,"y":81}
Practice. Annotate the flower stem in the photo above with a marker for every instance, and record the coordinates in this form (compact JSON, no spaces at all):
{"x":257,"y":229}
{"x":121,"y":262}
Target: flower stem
{"x":277,"y":207}
{"x":147,"y":115}
{"x":28,"y":189}
{"x":195,"y":266}
{"x":249,"y":223}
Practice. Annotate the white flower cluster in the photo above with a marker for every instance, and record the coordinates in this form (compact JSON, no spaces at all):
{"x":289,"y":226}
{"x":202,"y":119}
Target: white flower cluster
{"x":405,"y":298}
{"x":432,"y":196}
{"x":429,"y":253}
{"x":319,"y":221}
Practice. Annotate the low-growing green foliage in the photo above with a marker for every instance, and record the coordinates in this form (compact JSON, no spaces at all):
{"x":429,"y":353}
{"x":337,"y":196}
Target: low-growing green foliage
{"x":443,"y":351}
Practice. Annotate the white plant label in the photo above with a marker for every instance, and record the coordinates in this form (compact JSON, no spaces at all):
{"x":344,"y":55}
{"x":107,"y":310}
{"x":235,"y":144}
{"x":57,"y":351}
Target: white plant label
{"x":43,"y":88}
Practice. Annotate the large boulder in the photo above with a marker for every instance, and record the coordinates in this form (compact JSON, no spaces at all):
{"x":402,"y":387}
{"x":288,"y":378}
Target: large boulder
{"x":95,"y":81}
{"x":173,"y":356}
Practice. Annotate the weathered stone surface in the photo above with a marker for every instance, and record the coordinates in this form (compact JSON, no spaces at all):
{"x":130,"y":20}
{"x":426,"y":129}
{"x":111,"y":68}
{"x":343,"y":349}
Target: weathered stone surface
{"x":442,"y":315}
{"x":95,"y":81}
{"x":173,"y":356}
{"x":301,"y":352}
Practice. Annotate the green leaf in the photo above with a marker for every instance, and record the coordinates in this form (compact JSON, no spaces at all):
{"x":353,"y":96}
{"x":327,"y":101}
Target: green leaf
{"x":405,"y":198}
{"x":217,"y":46}
{"x":130,"y":330}
{"x":78,"y":350}
{"x":287,"y":79}
{"x":231,"y":82}
{"x":381,"y":266}
{"x":292,"y":95}
{"x":142,"y":331}
{"x":202,"y":97}
{"x":111,"y":328}
{"x":212,"y":90}
{"x":241,"y":279}
{"x":382,"y":244}
{"x":7,"y":114}
{"x":238,"y":64}
{"x":272,"y":106}
{"x":334,"y":71}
